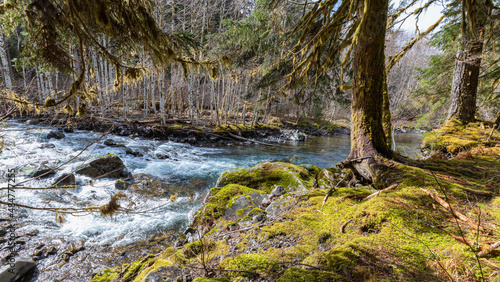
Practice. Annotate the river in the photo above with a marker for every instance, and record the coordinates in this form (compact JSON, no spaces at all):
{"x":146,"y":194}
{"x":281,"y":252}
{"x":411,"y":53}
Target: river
{"x":182,"y":166}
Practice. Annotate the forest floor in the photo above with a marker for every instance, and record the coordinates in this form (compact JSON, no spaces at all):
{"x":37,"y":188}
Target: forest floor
{"x":438,"y":219}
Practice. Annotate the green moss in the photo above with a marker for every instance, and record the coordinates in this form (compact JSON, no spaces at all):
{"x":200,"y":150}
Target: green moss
{"x":203,"y":279}
{"x":255,"y":264}
{"x":454,"y":137}
{"x":107,"y":156}
{"x":265,"y":176}
{"x":221,"y":198}
{"x":107,"y":275}
{"x":295,"y":274}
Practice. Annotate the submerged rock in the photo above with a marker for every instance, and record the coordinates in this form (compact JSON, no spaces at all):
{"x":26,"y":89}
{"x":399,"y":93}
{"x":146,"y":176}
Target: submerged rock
{"x":65,"y":179}
{"x":110,"y":166}
{"x":23,"y":268}
{"x":47,"y":146}
{"x":56,"y":135}
{"x":43,"y":173}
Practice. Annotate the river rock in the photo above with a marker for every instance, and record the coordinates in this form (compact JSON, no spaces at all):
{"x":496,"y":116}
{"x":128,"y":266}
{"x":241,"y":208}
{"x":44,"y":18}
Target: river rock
{"x":47,"y":146}
{"x":46,"y":172}
{"x":65,"y":179}
{"x":23,"y":267}
{"x":278,"y":191}
{"x":109,"y":166}
{"x":56,"y":135}
{"x":133,"y":152}
{"x":121,"y":184}
{"x":31,"y":122}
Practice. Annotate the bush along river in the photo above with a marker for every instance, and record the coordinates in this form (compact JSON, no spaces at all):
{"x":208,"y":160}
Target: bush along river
{"x":120,"y":198}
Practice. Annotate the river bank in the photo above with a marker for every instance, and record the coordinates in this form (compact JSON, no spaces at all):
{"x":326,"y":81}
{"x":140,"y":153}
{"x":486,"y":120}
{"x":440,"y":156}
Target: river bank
{"x":435,"y":220}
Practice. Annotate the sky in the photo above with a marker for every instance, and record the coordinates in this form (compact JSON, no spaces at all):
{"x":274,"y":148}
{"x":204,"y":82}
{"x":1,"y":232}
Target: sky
{"x":427,"y":18}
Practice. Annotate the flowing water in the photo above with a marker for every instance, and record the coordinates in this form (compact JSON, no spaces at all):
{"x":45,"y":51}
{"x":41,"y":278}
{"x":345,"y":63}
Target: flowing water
{"x":193,"y":168}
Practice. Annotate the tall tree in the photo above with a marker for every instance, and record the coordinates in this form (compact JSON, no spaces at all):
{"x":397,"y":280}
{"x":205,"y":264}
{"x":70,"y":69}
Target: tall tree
{"x":368,"y":139}
{"x":359,"y":26}
{"x":475,"y":14}
{"x":5,"y":62}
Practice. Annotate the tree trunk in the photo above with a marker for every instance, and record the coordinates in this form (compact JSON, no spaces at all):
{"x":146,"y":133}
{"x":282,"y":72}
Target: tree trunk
{"x":5,"y":61}
{"x":497,"y":120}
{"x":468,"y":63}
{"x":368,"y":139}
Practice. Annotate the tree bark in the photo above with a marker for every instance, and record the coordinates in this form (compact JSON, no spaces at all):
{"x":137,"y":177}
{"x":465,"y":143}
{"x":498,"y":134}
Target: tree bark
{"x":468,"y":62}
{"x":368,"y":139}
{"x":5,"y":61}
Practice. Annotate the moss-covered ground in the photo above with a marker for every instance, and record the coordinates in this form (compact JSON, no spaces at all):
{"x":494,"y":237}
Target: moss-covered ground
{"x":402,"y":234}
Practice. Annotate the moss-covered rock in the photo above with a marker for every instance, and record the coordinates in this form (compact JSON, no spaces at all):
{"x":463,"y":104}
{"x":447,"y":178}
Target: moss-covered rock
{"x":329,"y":177}
{"x":229,"y":202}
{"x":265,"y":176}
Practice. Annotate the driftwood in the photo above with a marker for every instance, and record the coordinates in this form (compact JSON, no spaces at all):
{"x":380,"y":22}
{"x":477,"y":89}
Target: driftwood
{"x":391,"y":187}
{"x":447,"y":207}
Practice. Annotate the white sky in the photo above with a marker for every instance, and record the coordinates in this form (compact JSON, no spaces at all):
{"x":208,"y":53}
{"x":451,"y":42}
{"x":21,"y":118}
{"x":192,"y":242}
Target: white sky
{"x":426,"y":19}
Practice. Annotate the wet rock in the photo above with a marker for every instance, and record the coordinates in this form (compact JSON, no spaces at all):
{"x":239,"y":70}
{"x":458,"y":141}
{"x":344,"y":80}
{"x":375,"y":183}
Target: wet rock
{"x":65,"y":179}
{"x":31,"y":122}
{"x":46,"y":172}
{"x":278,"y":191}
{"x":109,"y":142}
{"x":162,"y":156}
{"x":55,"y":135}
{"x":109,"y":166}
{"x":132,"y":152}
{"x":47,"y":146}
{"x":121,"y":184}
{"x":23,"y":269}
{"x":112,"y":143}
{"x":69,"y":129}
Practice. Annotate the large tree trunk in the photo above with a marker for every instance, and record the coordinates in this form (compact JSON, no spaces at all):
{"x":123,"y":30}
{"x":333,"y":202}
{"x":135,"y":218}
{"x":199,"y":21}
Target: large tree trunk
{"x":5,"y":61}
{"x":468,"y":62}
{"x":368,"y":139}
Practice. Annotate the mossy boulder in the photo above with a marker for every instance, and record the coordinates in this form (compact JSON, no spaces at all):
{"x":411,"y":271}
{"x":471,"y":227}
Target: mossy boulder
{"x":109,"y":166}
{"x":329,"y":177}
{"x":126,"y":272}
{"x":454,"y":137}
{"x":265,"y":176}
{"x":230,"y":202}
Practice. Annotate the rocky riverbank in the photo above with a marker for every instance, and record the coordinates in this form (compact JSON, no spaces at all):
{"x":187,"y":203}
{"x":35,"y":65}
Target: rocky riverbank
{"x":183,"y":131}
{"x":284,"y":222}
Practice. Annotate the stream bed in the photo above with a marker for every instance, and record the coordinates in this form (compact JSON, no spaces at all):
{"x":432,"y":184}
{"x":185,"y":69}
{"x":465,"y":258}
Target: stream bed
{"x":87,"y":242}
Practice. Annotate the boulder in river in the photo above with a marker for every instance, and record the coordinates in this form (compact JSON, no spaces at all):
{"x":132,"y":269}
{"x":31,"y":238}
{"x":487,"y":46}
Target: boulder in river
{"x":47,"y":146}
{"x":65,"y":179}
{"x":121,"y":184}
{"x":43,"y":173}
{"x":110,"y":166}
{"x":23,"y":268}
{"x":56,"y":135}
